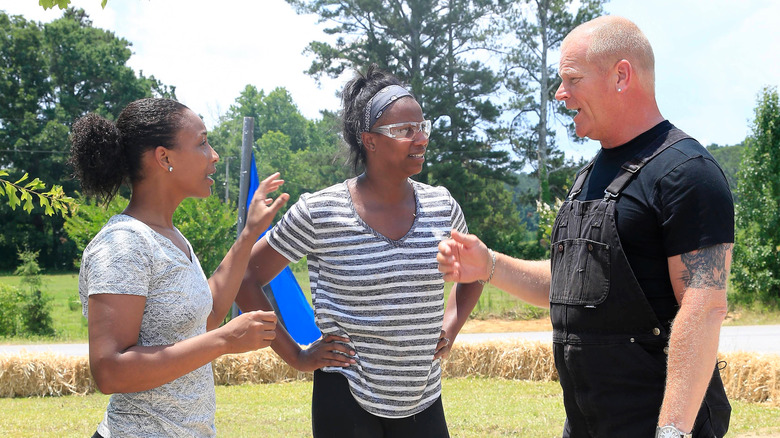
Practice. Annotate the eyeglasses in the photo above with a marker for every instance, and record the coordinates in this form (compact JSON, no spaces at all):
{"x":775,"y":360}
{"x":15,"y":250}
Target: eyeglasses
{"x":404,"y":131}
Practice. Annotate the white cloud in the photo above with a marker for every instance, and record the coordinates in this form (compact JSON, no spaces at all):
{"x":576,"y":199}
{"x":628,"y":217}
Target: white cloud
{"x":712,"y":56}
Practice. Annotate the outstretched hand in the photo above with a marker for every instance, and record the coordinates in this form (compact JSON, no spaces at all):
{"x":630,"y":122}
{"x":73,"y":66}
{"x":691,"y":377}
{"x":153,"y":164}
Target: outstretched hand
{"x":463,"y":258}
{"x":262,"y":209}
{"x":330,"y":351}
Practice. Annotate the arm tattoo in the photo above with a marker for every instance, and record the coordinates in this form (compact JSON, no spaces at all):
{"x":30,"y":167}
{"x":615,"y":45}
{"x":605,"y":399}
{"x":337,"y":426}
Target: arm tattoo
{"x":706,"y":268}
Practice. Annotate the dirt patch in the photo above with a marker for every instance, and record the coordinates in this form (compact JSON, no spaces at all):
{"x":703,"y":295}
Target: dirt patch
{"x":504,"y":326}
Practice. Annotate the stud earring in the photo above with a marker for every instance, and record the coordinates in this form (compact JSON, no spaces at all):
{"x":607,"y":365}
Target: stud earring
{"x":619,"y":90}
{"x":170,"y":168}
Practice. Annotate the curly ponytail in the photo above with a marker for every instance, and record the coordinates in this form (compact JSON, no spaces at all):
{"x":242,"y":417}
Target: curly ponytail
{"x":104,"y":155}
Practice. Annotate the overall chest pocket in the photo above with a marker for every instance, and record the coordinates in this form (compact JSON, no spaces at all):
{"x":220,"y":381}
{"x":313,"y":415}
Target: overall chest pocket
{"x":580,"y":272}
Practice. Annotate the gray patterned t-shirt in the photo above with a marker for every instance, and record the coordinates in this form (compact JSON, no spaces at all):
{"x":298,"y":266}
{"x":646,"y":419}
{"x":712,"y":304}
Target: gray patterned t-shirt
{"x":128,"y":257}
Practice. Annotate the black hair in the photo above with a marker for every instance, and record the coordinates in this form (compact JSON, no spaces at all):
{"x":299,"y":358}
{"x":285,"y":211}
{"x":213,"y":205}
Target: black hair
{"x":104,"y":154}
{"x":354,"y":98}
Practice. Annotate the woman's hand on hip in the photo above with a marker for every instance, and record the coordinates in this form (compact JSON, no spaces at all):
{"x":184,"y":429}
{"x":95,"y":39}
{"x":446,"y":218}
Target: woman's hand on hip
{"x":329,"y":351}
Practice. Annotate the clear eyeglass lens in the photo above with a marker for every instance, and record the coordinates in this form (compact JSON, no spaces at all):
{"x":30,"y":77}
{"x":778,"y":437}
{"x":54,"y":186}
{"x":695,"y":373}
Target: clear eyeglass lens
{"x":409,"y":130}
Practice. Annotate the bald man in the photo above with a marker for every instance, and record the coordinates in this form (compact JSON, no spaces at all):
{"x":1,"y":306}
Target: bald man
{"x":636,"y":284}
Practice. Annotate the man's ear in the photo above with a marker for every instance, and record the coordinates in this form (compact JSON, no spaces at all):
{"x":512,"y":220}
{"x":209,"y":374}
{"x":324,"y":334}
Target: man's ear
{"x":624,"y":74}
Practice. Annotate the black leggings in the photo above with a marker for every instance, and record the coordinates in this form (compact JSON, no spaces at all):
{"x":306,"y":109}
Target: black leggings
{"x":335,"y":413}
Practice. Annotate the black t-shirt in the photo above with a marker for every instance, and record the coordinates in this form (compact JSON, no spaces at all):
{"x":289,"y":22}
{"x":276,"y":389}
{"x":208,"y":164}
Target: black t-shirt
{"x":679,"y":202}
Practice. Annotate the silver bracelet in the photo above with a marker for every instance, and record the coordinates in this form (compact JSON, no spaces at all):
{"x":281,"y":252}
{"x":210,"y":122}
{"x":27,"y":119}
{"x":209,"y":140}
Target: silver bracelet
{"x":492,"y":268}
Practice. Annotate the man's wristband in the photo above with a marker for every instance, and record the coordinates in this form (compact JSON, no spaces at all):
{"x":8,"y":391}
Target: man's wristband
{"x":492,"y":267}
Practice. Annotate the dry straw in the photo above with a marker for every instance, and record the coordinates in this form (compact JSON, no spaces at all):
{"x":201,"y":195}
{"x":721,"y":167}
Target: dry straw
{"x":44,"y":374}
{"x":747,"y":376}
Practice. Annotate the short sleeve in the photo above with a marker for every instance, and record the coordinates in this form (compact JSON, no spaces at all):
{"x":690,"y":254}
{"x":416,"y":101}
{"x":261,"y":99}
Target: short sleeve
{"x":695,"y":206}
{"x":294,"y":236}
{"x":457,"y":217}
{"x":117,"y":262}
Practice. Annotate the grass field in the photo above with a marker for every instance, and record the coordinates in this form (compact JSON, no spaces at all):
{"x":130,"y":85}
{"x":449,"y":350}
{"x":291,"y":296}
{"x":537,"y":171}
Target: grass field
{"x":72,"y":327}
{"x":474,"y":407}
{"x":493,"y":304}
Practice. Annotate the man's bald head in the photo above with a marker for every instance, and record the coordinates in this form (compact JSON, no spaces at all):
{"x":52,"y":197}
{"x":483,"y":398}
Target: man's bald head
{"x":610,"y":39}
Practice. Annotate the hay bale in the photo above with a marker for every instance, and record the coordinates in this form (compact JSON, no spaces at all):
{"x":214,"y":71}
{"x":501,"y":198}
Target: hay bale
{"x":262,"y":366}
{"x":751,"y":377}
{"x":511,"y":359}
{"x":747,"y":377}
{"x":44,"y":374}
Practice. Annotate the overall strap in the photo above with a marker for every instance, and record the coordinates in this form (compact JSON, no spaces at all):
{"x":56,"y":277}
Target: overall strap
{"x":582,"y":175}
{"x":634,"y":165}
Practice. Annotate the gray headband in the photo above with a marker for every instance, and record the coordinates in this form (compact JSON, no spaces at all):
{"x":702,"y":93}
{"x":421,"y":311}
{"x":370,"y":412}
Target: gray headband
{"x":379,"y":102}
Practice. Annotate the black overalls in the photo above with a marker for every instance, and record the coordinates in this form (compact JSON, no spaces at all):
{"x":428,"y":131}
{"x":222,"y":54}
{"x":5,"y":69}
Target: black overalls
{"x":608,"y":344}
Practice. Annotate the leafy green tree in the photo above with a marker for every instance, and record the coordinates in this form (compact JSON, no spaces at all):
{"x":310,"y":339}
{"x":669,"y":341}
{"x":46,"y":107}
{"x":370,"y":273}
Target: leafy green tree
{"x":305,"y":152}
{"x":209,"y":225}
{"x":530,"y":31}
{"x":90,"y":217}
{"x":52,"y":201}
{"x":756,"y":267}
{"x":52,"y":74}
{"x":729,"y":158}
{"x":62,"y":4}
{"x":432,"y":46}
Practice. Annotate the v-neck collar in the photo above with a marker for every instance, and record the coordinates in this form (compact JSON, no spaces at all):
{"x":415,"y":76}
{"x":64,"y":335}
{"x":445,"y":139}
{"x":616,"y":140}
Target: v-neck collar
{"x":377,"y":233}
{"x":168,"y":241}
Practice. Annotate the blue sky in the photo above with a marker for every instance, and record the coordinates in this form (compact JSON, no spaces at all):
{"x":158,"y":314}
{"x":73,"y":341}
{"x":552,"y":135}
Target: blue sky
{"x":712,"y":56}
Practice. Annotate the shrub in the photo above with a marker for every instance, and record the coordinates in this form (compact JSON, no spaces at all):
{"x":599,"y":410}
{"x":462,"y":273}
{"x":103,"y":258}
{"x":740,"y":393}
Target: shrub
{"x":10,"y":310}
{"x":34,"y":307}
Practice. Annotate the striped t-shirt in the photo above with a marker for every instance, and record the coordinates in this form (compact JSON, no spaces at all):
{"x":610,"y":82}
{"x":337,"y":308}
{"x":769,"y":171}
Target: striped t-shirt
{"x":386,"y":296}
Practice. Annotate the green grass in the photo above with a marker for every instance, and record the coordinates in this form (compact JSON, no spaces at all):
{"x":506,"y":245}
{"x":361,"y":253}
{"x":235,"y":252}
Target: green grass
{"x":72,"y":327}
{"x":68,"y":323}
{"x":474,"y":407}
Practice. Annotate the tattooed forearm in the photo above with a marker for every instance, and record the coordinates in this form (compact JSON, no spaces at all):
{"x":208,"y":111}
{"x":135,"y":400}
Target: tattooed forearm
{"x":706,"y":268}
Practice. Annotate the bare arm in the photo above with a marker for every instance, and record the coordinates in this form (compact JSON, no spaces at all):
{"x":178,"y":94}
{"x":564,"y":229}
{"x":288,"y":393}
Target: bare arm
{"x":699,"y":282}
{"x":226,"y":279}
{"x":464,"y":258}
{"x":118,"y":364}
{"x":462,"y":299}
{"x":265,"y":264}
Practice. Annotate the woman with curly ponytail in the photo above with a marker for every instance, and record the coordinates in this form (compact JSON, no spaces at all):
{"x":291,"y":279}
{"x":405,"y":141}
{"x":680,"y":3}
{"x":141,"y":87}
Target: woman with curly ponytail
{"x":154,"y":319}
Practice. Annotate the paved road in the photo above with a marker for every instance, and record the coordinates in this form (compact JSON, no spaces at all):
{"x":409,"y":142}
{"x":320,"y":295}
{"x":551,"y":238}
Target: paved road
{"x":754,"y":338}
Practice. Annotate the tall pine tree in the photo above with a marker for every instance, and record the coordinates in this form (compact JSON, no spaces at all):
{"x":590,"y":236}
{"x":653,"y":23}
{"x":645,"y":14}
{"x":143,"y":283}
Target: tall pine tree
{"x":530,"y":32}
{"x":432,"y":46}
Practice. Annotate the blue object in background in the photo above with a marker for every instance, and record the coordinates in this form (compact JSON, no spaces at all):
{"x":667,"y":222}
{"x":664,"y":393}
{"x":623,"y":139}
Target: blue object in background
{"x":286,"y":294}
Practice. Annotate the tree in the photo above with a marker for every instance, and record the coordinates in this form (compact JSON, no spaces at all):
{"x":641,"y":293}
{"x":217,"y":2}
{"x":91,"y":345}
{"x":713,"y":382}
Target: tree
{"x":432,"y":46}
{"x":729,"y":158}
{"x":52,"y":201}
{"x":35,"y":308}
{"x":63,"y":4}
{"x":208,"y":224}
{"x":304,"y":151}
{"x":533,"y":36}
{"x":52,"y":74}
{"x":756,"y":267}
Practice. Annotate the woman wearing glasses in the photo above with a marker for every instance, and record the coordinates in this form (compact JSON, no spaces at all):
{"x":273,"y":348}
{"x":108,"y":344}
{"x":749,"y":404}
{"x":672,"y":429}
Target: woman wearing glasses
{"x":371,"y":245}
